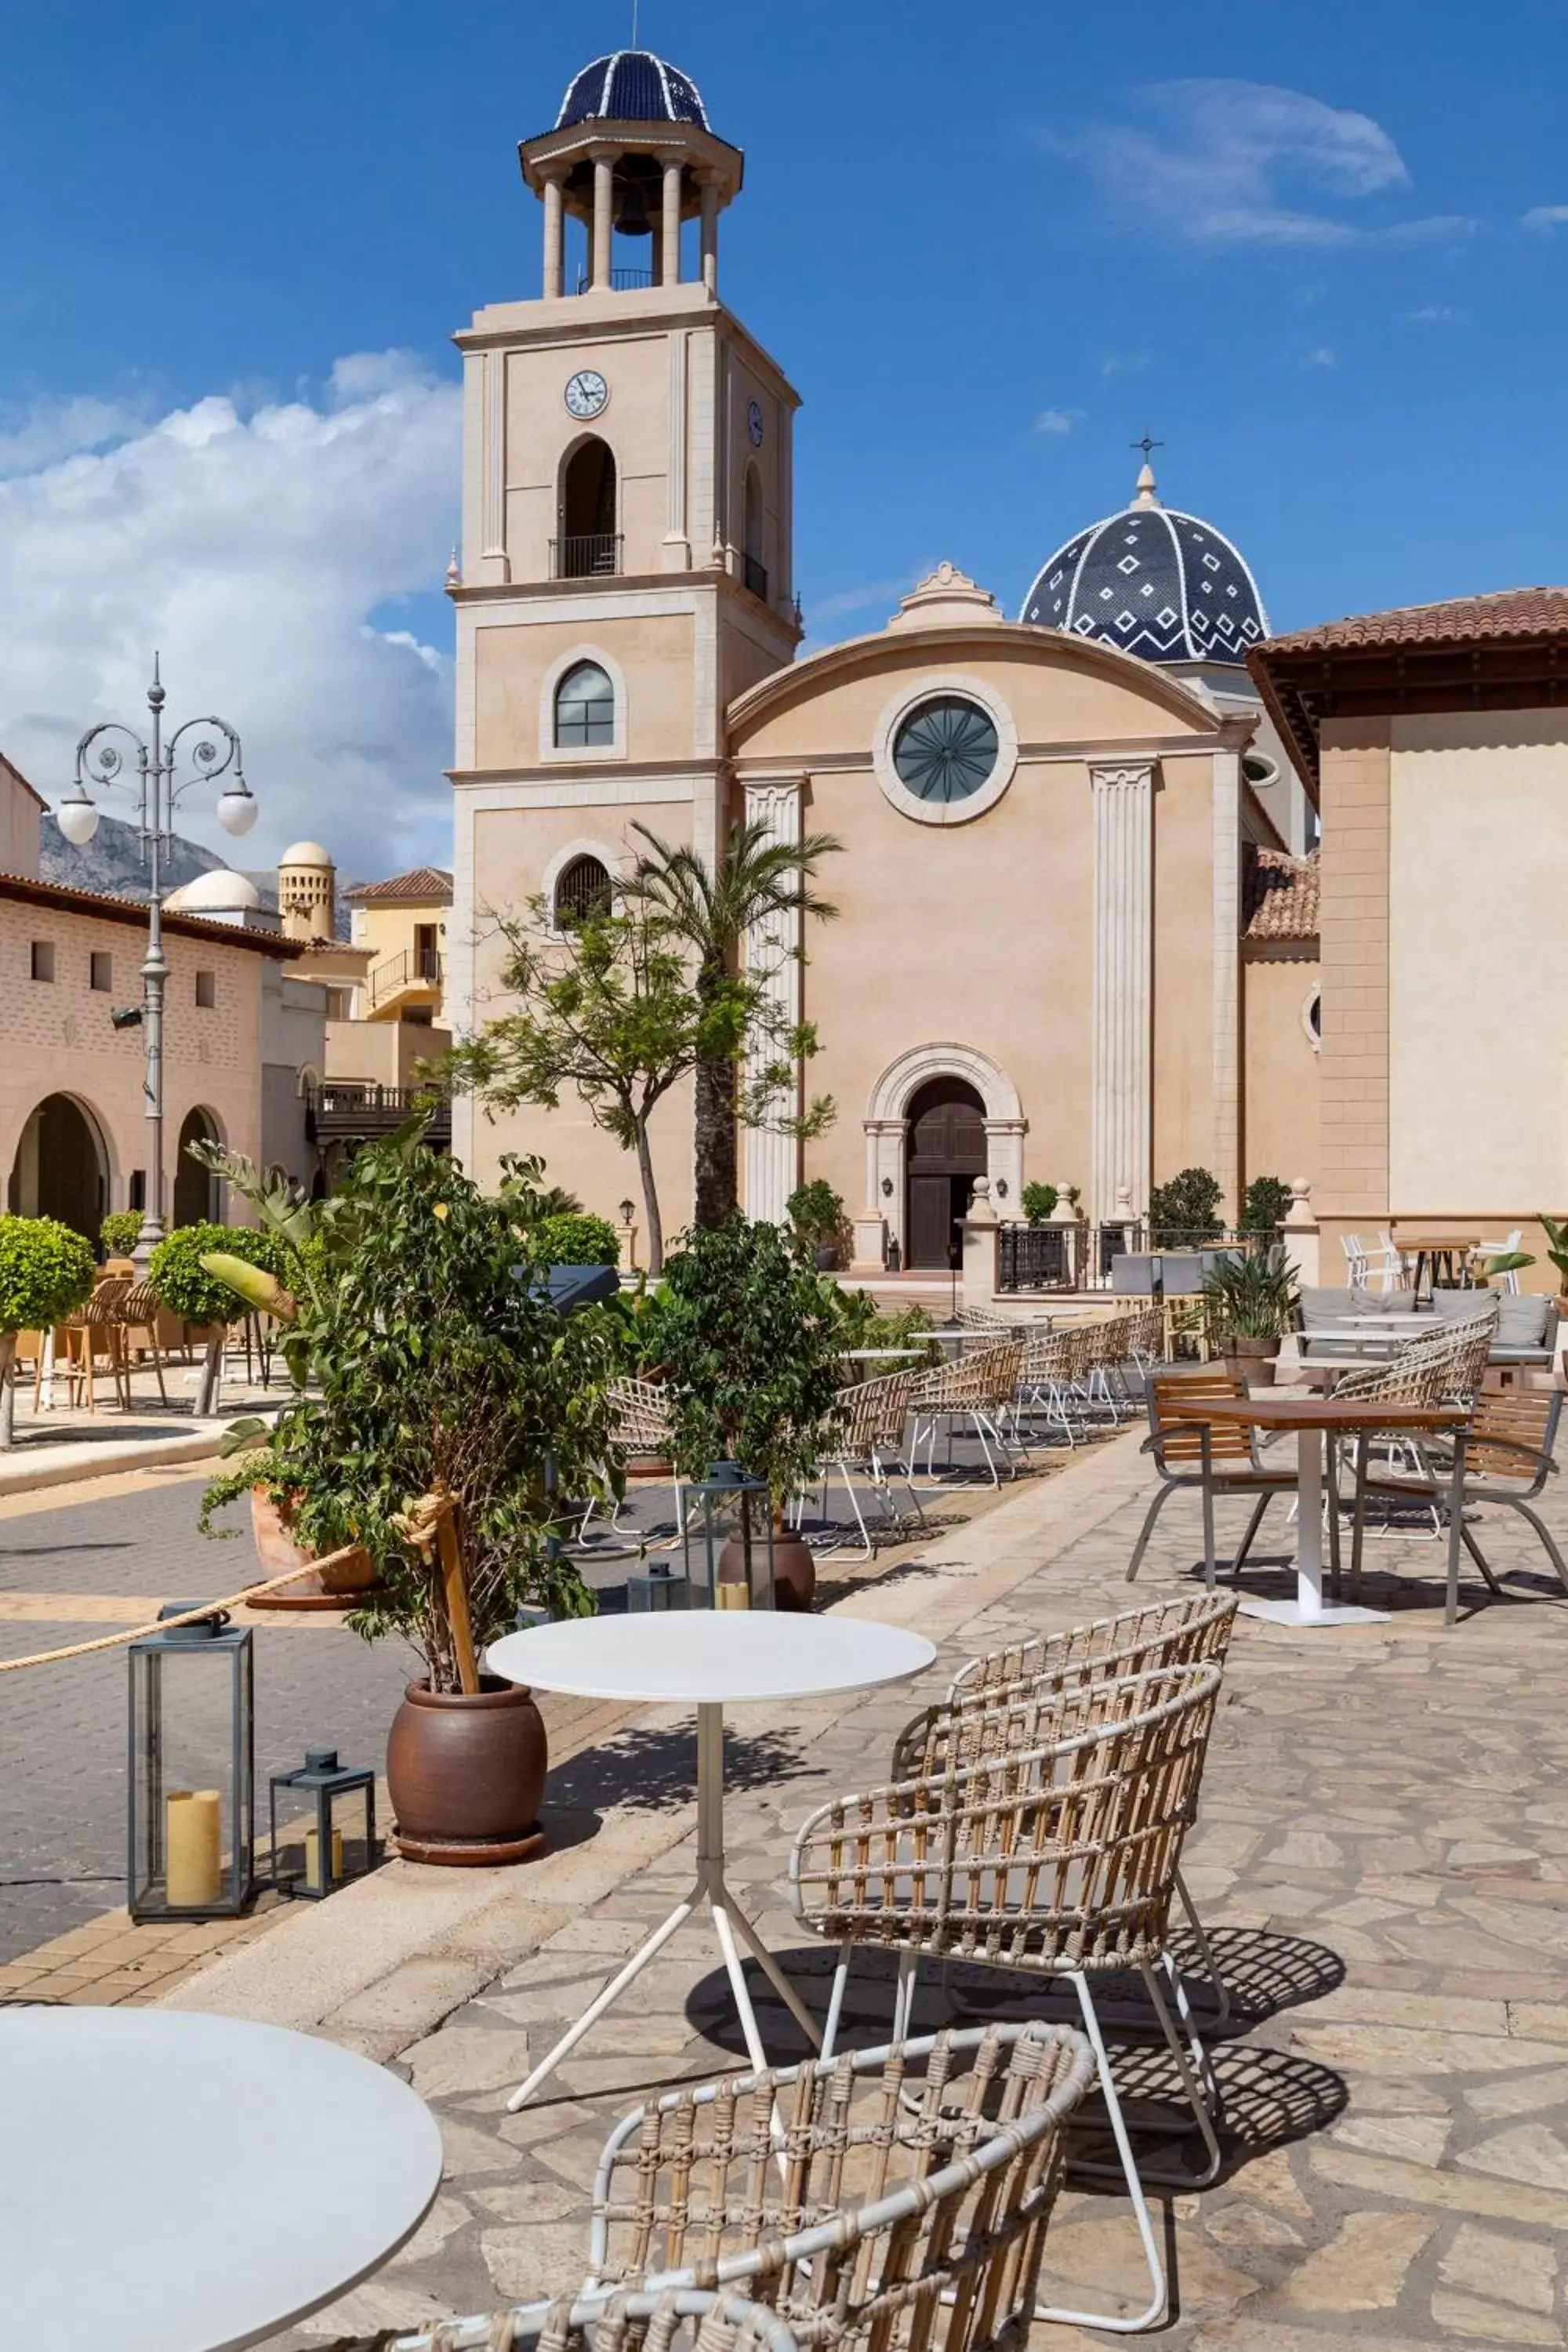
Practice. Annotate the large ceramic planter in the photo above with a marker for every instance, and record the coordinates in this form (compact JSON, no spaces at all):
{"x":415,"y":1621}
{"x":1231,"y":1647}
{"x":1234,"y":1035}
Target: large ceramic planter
{"x":342,"y":1586}
{"x":1252,"y":1361}
{"x":466,"y":1773}
{"x":794,"y":1571}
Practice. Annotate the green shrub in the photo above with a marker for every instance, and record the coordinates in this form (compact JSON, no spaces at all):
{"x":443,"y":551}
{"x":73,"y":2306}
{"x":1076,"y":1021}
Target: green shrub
{"x":816,"y":1212}
{"x":1251,"y":1297}
{"x":183,"y":1284}
{"x":1038,"y":1202}
{"x":1185,"y":1213}
{"x":1266,"y":1207}
{"x":46,"y":1272}
{"x":569,"y":1238}
{"x":865,"y":1325}
{"x":120,"y":1231}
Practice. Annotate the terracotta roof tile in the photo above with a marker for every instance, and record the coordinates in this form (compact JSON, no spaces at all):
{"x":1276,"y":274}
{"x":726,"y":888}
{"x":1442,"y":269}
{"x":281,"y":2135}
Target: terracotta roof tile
{"x":424,"y":886}
{"x":1278,"y":895}
{"x":114,"y":910}
{"x":1511,"y":613}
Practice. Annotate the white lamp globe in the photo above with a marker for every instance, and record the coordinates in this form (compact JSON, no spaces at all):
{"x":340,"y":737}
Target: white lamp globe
{"x":78,"y":819}
{"x":237,"y":810}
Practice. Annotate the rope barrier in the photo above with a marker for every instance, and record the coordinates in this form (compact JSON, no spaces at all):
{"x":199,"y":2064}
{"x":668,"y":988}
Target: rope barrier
{"x":186,"y":1617}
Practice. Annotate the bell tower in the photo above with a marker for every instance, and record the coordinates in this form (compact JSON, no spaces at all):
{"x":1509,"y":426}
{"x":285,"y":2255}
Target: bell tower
{"x":626,"y":565}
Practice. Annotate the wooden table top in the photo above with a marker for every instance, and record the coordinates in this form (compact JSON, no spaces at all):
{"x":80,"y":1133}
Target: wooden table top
{"x":1408,"y":1242}
{"x":1322,"y":1412}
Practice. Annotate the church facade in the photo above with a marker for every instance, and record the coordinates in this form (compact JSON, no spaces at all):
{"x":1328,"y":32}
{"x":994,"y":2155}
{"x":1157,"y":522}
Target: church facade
{"x":1076,"y":896}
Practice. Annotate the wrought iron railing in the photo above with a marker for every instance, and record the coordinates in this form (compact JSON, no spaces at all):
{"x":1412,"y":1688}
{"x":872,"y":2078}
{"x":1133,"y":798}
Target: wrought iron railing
{"x":590,"y":555}
{"x":414,"y":967}
{"x":622,"y":282}
{"x":755,"y":576}
{"x":354,"y":1110}
{"x":1080,"y":1256}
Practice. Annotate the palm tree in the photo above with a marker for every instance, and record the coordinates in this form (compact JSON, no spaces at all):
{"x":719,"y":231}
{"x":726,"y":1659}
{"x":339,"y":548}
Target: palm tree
{"x":757,"y":877}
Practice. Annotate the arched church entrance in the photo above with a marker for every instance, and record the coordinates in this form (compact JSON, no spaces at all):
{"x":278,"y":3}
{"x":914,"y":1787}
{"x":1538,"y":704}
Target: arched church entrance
{"x":61,"y":1168}
{"x":196,"y":1195}
{"x":947,"y":1151}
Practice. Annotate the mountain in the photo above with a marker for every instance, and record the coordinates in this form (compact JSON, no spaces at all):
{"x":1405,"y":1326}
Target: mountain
{"x":112,"y":860}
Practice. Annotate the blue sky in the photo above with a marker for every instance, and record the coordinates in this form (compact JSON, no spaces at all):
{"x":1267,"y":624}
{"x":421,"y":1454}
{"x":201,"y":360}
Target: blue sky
{"x":1319,"y":252}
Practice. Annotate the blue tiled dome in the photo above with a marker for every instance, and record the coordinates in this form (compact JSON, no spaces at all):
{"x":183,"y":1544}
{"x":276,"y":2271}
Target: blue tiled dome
{"x":632,"y":86}
{"x":1156,"y":582}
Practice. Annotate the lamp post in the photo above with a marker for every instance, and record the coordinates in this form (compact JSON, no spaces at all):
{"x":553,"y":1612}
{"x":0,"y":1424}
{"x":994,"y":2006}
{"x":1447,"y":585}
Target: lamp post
{"x":101,"y":758}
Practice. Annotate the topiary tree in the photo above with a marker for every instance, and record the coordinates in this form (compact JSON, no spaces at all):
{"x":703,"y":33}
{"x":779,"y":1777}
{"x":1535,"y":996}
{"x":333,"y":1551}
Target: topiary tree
{"x":569,"y":1238}
{"x":45,"y":1273}
{"x":183,"y":1286}
{"x":1038,"y":1202}
{"x":1266,"y":1207}
{"x":120,"y":1231}
{"x":1185,"y":1213}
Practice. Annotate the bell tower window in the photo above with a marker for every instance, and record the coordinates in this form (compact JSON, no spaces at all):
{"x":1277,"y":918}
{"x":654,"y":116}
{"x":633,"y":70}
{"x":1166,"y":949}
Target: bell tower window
{"x":752,"y":568}
{"x":589,"y":545}
{"x":585,"y":708}
{"x":584,"y":893}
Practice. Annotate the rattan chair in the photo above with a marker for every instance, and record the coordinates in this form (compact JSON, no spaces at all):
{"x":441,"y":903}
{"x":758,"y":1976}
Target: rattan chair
{"x":1058,"y":1861}
{"x":1045,"y":1383}
{"x":986,"y":1324}
{"x":1146,"y":1336}
{"x":138,"y":1315}
{"x":1208,"y":1458}
{"x":978,"y":1389}
{"x":1104,"y":1346}
{"x":894,"y":2199}
{"x":867,"y":1441}
{"x":1011,"y":1699}
{"x":94,"y":1332}
{"x":1505,"y":1456}
{"x":675,"y":2320}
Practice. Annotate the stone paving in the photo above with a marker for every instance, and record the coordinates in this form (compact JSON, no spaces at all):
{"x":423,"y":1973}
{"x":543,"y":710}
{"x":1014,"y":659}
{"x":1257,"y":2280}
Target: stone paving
{"x":1384,"y":1854}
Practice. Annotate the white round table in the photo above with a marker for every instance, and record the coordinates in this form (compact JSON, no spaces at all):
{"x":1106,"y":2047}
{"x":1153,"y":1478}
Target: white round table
{"x":180,"y":2183}
{"x":706,"y":1659}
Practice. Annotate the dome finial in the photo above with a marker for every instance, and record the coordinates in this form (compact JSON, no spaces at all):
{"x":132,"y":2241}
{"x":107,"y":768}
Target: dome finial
{"x":1147,"y":492}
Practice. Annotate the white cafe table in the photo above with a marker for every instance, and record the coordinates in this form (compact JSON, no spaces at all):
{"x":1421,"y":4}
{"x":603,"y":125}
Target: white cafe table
{"x":180,"y":2183}
{"x":706,"y":1659}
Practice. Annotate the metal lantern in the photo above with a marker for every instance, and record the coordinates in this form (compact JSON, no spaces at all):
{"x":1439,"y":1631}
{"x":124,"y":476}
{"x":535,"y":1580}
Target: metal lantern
{"x":729,"y":1541}
{"x":192,"y":1828}
{"x":660,"y":1590}
{"x":315,"y":1854}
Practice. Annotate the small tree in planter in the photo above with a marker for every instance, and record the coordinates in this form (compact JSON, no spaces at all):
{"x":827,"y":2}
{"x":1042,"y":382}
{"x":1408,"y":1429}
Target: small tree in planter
{"x":1185,"y":1213}
{"x":183,"y":1284}
{"x":1249,"y":1304}
{"x":816,"y":1212}
{"x":438,"y":1368}
{"x":750,"y":1339}
{"x":45,"y":1273}
{"x":120,"y":1231}
{"x":1266,"y":1207}
{"x":1038,"y":1202}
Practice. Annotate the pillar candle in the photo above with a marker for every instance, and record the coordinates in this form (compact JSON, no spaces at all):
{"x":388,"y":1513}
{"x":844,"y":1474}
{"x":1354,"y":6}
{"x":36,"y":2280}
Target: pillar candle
{"x":733,"y":1596}
{"x":191,"y":1873}
{"x":313,"y":1858}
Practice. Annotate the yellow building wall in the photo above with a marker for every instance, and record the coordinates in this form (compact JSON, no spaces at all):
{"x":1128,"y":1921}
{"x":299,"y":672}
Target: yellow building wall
{"x":1280,"y":1097}
{"x":655,"y":652}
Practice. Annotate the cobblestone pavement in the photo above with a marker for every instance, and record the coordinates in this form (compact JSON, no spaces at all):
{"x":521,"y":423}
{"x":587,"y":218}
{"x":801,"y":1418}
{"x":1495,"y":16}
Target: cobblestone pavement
{"x":1382,"y":1851}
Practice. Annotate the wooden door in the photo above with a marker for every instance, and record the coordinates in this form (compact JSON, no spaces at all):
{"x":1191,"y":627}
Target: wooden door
{"x":931,"y":1220}
{"x":946,"y":1153}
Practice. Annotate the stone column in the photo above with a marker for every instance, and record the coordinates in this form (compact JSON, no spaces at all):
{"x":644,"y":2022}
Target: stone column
{"x":710,"y":236}
{"x":1226,"y":992}
{"x":1121,"y":1053}
{"x":979,"y":1228}
{"x":603,"y":219}
{"x":675,"y":555}
{"x":554,"y":237}
{"x":669,"y":226}
{"x":771,"y":1152}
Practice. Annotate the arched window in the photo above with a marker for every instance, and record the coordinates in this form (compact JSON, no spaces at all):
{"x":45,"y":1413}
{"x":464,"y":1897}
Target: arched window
{"x":584,"y":707}
{"x":755,"y":575}
{"x":588,"y":545}
{"x":583,"y":891}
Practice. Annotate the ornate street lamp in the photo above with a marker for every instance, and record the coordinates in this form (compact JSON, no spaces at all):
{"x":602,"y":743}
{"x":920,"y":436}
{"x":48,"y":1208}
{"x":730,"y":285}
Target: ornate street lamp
{"x":100,"y":759}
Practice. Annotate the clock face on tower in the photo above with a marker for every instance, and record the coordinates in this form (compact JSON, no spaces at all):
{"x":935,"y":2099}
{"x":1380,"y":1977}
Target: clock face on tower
{"x":587,"y":394}
{"x":754,"y":424}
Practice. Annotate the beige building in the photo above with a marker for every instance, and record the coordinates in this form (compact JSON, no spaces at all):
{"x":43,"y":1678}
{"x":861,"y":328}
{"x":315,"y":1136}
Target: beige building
{"x":1054,"y":959}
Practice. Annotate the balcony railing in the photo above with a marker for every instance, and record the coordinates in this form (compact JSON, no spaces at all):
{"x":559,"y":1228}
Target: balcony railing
{"x":596,"y":556}
{"x":622,"y":282}
{"x":755,"y":576}
{"x":352,"y":1111}
{"x":1079,"y":1257}
{"x":415,"y":968}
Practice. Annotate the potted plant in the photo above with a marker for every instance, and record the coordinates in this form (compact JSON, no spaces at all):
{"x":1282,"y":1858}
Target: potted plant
{"x":1266,"y":1207}
{"x":1038,"y":1202}
{"x":45,"y":1273}
{"x":437,"y":1368}
{"x":1185,"y":1213}
{"x":816,"y":1212}
{"x":181,"y":1283}
{"x":752,"y":1339}
{"x":1249,"y":1304}
{"x":120,"y":1231}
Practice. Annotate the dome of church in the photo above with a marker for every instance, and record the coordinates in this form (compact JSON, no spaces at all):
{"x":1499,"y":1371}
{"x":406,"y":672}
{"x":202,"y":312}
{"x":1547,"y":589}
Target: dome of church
{"x":632,"y":86}
{"x":219,"y":891}
{"x":1155,"y":582}
{"x":305,"y":853}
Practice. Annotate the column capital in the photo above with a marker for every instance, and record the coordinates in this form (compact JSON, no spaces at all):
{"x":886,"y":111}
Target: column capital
{"x":1117,"y":775}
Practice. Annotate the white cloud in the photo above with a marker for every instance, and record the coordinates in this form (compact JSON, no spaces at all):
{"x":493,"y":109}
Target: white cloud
{"x":857,"y":600}
{"x":1435,"y":314}
{"x":1323,"y":356}
{"x":254,"y":547}
{"x":1057,"y":421}
{"x":1124,"y":363}
{"x":1544,"y":218}
{"x":1229,"y":162}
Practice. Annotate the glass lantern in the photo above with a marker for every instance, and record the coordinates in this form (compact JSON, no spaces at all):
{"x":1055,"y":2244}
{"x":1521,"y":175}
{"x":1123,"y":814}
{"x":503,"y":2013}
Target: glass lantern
{"x":658,"y":1591}
{"x":192,"y":1826}
{"x":319,"y":1851}
{"x":729,"y":1541}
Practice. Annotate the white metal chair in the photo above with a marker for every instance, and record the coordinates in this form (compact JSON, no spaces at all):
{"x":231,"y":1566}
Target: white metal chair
{"x":1503,"y":1246}
{"x":1355,"y":1258}
{"x":867,"y":1441}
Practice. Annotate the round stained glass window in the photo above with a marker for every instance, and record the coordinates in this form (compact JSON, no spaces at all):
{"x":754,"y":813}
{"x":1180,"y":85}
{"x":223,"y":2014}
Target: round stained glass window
{"x":946,"y":750}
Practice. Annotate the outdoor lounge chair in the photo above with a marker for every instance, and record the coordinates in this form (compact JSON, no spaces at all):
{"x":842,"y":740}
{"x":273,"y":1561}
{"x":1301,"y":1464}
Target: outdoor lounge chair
{"x":1508,"y":1448}
{"x":1058,"y":1861}
{"x":867,"y":1441}
{"x":978,"y":1389}
{"x":622,"y":2321}
{"x":887,"y":2199}
{"x":1210,"y":1459}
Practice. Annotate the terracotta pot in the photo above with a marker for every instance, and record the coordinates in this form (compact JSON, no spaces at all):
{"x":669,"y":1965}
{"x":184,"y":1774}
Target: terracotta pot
{"x":1252,"y":1361}
{"x":277,"y":1549}
{"x":649,"y":1465}
{"x":794,"y":1571}
{"x":466,"y":1773}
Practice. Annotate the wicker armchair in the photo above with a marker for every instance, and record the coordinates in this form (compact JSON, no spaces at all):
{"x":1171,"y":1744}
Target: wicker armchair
{"x":644,"y":1423}
{"x":889,"y":2197}
{"x":1103,"y":1346}
{"x":867,"y":1441}
{"x":586,"y":2322}
{"x":96,"y":1331}
{"x":1044,"y":1383}
{"x":1060,"y":1861}
{"x":1448,"y":1367}
{"x":1146,"y":1336}
{"x":138,"y":1311}
{"x":986,"y":1324}
{"x":1214,"y":1458}
{"x":1010,"y":1700}
{"x":978,"y":1389}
